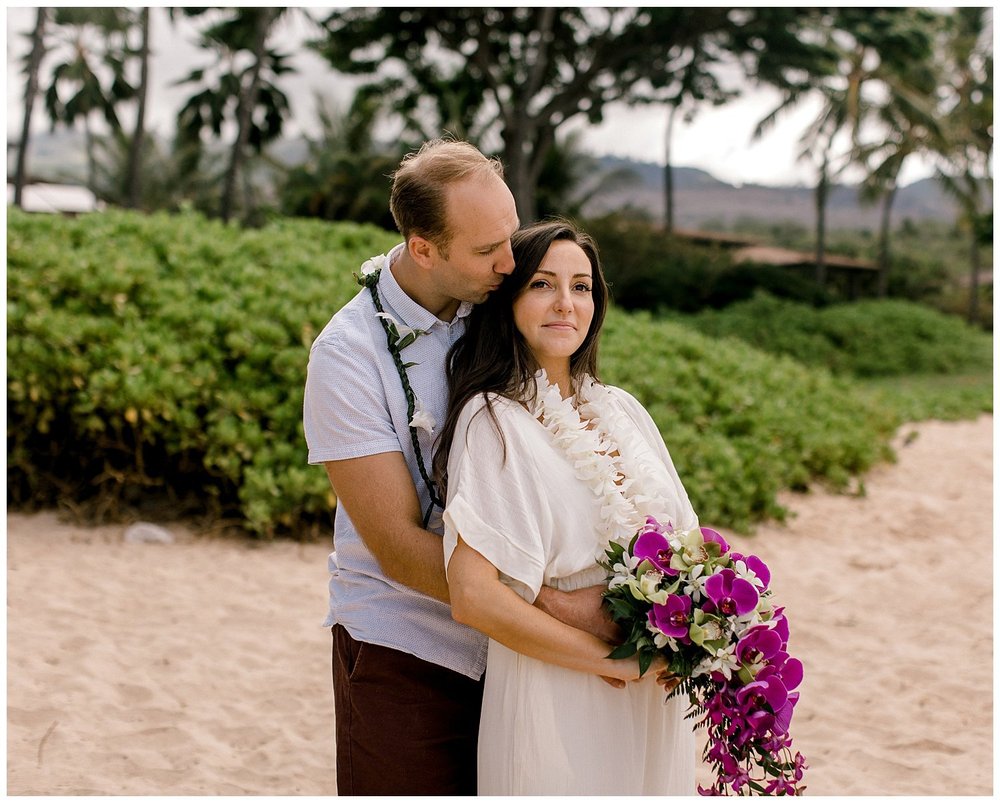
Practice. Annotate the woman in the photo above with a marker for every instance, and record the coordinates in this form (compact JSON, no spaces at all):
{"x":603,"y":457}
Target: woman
{"x":544,"y":466}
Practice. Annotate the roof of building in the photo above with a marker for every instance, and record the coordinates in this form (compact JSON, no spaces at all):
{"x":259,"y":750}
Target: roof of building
{"x":785,"y":257}
{"x":55,"y":198}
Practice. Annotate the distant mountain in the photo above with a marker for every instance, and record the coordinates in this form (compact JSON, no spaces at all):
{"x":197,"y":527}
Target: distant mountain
{"x":700,"y":198}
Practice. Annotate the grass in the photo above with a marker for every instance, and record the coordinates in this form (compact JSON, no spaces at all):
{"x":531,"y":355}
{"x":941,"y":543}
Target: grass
{"x":921,"y":397}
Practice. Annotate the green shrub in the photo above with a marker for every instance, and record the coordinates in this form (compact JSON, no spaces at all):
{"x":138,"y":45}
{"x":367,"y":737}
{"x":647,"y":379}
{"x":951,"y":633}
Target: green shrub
{"x":863,"y":338}
{"x":742,"y":425}
{"x":168,"y":354}
{"x":165,"y":357}
{"x":647,"y":269}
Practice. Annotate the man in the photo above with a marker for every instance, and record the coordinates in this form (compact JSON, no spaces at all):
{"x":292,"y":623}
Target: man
{"x":407,"y":677}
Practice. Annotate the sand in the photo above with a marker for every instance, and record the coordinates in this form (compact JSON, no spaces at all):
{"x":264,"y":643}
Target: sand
{"x":201,"y":667}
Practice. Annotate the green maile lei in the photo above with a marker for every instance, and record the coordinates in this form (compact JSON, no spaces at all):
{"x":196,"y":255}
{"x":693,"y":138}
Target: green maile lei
{"x":396,"y":342}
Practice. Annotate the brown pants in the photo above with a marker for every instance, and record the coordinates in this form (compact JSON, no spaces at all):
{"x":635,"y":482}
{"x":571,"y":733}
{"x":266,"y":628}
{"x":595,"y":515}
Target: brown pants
{"x":404,"y":726}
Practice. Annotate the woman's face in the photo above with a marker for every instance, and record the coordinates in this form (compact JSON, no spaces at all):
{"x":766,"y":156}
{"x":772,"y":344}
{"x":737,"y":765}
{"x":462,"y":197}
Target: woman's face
{"x":554,"y":310}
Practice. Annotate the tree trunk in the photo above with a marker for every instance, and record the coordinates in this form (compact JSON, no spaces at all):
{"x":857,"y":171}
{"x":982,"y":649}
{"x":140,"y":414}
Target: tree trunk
{"x":244,"y":110}
{"x":821,"y":193}
{"x":136,"y":145}
{"x":89,"y":145}
{"x":518,"y":173}
{"x":34,"y":62}
{"x":883,"y":241}
{"x":973,"y":313}
{"x":668,"y":173}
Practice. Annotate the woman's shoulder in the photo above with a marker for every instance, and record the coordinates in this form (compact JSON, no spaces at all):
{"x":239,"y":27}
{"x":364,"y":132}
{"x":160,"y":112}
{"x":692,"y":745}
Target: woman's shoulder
{"x":489,"y":406}
{"x":620,"y":396}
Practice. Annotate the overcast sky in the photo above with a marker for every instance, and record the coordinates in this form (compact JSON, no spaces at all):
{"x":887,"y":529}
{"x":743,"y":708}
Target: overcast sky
{"x":718,"y":140}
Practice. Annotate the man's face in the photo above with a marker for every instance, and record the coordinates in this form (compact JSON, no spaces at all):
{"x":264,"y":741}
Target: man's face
{"x":482,"y":217}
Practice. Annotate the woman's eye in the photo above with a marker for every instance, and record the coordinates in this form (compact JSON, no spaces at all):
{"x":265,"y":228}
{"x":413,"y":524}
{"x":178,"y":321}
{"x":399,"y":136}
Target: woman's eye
{"x":582,"y":287}
{"x":539,"y":283}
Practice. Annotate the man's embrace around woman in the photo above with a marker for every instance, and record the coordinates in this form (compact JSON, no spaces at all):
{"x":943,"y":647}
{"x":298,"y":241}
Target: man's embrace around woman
{"x":414,"y":615}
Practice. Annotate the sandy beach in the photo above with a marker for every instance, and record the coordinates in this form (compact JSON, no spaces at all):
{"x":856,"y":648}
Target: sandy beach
{"x":201,"y":667}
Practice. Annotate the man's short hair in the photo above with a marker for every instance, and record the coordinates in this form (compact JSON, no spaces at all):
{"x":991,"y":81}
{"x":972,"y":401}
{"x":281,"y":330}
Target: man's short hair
{"x":417,"y":201}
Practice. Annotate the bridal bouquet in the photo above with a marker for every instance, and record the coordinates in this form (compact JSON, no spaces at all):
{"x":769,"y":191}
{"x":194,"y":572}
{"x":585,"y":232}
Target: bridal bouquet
{"x":686,"y":596}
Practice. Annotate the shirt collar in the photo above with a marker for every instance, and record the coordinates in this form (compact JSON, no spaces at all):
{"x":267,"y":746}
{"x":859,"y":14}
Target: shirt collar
{"x":408,"y":310}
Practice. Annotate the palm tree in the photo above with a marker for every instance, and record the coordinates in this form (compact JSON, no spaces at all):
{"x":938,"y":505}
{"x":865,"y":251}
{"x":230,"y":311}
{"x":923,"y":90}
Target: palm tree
{"x":32,"y":65}
{"x":906,"y":122}
{"x":873,"y":49}
{"x":241,"y":94}
{"x":93,"y":41}
{"x":138,"y":137}
{"x":967,"y":145}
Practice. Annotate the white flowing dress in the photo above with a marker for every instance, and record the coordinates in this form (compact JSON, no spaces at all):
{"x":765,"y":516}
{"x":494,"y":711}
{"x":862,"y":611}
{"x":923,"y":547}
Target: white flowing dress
{"x":538,"y":516}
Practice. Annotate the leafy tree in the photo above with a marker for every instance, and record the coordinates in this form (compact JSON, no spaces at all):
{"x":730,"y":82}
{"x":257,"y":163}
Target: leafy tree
{"x":515,"y":75}
{"x":239,"y":89}
{"x":31,"y":68}
{"x":93,"y":43}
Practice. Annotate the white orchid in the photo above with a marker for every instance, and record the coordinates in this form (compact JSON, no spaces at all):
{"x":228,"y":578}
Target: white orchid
{"x":371,"y":265}
{"x":422,"y":419}
{"x":724,"y":661}
{"x":402,"y":331}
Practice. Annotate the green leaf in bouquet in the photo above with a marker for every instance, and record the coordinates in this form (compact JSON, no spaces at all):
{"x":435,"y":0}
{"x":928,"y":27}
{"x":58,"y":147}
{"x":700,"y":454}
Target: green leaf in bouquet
{"x":645,"y":659}
{"x":620,"y":608}
{"x":626,"y":650}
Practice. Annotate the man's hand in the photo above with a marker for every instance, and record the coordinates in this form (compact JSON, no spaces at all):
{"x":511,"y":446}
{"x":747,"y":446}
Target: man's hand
{"x":583,"y":609}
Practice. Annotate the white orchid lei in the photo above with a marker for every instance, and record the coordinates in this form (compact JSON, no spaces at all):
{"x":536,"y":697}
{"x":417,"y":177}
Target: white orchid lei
{"x":398,"y":337}
{"x":605,"y":453}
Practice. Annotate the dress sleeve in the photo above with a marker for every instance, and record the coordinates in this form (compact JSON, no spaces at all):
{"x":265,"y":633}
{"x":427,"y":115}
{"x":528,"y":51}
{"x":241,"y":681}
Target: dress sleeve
{"x":644,"y":423}
{"x":495,"y":496}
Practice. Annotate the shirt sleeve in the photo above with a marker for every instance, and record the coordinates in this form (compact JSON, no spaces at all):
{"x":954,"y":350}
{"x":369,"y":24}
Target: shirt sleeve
{"x":345,"y":411}
{"x":496,"y":498}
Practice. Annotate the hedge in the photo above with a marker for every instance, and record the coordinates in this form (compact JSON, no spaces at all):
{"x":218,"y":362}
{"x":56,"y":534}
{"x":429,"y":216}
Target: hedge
{"x":164,"y":357}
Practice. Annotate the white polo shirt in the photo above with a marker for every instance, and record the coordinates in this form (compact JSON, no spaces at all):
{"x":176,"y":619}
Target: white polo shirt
{"x":354,"y":407}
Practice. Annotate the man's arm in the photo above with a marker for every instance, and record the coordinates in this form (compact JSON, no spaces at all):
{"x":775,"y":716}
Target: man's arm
{"x":378,"y":494}
{"x":583,"y":609}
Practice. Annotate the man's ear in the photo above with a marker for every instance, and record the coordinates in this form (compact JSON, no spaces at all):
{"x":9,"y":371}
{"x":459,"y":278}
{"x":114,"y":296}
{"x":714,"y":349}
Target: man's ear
{"x":422,"y":251}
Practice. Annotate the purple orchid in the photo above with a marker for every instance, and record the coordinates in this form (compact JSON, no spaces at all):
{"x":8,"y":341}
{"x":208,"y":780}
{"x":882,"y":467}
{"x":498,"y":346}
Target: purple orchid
{"x":768,"y":695}
{"x":711,"y":535}
{"x":731,"y":594}
{"x":783,"y":717}
{"x":780,"y":624}
{"x":754,"y":564}
{"x":785,"y":667}
{"x":652,"y":546}
{"x":759,"y":644}
{"x":673,"y":617}
{"x":799,"y":766}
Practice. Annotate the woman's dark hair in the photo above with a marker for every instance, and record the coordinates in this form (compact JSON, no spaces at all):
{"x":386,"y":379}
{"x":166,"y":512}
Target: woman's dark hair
{"x":492,"y":356}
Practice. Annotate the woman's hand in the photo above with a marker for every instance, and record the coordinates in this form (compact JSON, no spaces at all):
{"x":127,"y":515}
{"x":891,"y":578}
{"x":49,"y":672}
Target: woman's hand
{"x":627,"y":669}
{"x":668,"y":680}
